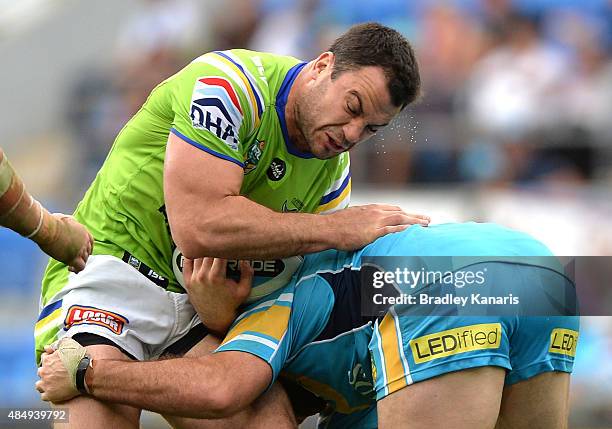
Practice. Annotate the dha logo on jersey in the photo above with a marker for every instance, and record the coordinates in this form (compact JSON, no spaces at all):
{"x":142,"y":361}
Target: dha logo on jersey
{"x":253,"y":156}
{"x":216,"y":108}
{"x":82,"y":315}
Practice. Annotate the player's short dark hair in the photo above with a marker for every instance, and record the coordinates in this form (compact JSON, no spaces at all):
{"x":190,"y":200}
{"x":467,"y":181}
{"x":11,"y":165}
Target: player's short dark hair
{"x":373,"y":44}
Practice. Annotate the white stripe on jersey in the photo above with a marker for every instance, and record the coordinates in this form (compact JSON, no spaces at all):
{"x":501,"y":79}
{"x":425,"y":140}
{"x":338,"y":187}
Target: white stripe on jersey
{"x":381,"y":354}
{"x":342,"y":205}
{"x":211,"y":60}
{"x":336,"y":185}
{"x":254,"y":338}
{"x":249,"y":77}
{"x":221,"y":94}
{"x":284,"y":297}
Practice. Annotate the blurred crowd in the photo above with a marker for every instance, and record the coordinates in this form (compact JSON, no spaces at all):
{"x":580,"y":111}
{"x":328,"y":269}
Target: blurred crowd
{"x":515,"y":91}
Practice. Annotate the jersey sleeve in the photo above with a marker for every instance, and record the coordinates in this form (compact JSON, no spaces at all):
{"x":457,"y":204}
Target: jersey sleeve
{"x":279,"y":328}
{"x":216,"y":105}
{"x":338,"y":195}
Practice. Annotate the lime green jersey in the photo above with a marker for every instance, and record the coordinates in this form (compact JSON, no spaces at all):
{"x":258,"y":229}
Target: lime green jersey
{"x":230,"y":104}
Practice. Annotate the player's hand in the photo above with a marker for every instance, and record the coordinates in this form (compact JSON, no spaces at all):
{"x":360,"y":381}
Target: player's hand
{"x":215,"y":297}
{"x":58,"y":371}
{"x":72,"y":245}
{"x":358,"y":226}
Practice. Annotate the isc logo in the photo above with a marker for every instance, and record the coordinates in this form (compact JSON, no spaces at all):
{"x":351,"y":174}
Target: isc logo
{"x":79,"y":315}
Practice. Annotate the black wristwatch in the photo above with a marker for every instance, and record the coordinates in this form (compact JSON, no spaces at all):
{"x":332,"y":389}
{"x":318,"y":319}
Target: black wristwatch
{"x":81,"y":385}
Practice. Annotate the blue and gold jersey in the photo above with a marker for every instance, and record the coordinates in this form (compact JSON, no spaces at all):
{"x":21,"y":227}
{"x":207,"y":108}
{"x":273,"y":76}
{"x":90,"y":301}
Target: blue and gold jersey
{"x":314,"y":330}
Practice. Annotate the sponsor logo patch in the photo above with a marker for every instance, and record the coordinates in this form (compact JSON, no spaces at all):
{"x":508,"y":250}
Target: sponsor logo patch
{"x":277,"y":169}
{"x":455,"y":341}
{"x":83,"y":315}
{"x":216,"y":108}
{"x":563,"y":341}
{"x":134,"y":262}
{"x":253,"y":156}
{"x":269,"y":268}
{"x":291,"y":207}
{"x":360,"y":380}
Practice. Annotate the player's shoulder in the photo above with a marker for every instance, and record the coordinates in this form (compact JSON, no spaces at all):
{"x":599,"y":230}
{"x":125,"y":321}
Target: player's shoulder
{"x":259,"y":71}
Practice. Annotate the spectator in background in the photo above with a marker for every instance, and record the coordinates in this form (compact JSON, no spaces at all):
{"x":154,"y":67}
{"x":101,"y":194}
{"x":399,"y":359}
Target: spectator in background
{"x":152,"y":45}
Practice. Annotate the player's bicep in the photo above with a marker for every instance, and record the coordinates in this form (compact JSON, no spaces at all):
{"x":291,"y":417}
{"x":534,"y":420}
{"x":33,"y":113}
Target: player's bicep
{"x":193,"y":181}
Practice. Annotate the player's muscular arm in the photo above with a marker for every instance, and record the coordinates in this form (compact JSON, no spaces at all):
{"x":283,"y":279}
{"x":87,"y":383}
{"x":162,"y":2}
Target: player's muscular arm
{"x":208,"y":217}
{"x":213,"y":386}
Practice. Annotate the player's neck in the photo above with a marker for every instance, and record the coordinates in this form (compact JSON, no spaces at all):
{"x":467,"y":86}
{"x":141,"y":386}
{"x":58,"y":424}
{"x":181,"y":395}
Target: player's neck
{"x":292,"y":112}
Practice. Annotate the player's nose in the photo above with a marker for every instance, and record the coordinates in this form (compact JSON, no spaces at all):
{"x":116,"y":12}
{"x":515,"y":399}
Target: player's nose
{"x":353,"y":133}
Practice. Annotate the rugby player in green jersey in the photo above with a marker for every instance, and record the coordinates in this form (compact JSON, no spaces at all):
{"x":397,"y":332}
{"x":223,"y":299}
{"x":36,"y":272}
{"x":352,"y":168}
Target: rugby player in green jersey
{"x":207,"y":167}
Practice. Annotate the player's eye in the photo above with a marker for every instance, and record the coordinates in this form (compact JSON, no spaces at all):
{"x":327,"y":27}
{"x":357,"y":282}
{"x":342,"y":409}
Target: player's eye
{"x":372,"y":129}
{"x":350,"y":109}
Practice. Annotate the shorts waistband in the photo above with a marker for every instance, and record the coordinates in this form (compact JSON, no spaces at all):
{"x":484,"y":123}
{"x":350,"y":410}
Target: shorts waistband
{"x":145,"y":270}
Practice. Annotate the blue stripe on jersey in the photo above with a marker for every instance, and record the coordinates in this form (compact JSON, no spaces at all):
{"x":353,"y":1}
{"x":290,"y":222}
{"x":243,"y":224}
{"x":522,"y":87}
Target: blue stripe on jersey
{"x":327,"y":198}
{"x":259,"y":107}
{"x":204,"y":148}
{"x":219,"y":92}
{"x":50,"y":309}
{"x":215,"y":102}
{"x":281,"y":102}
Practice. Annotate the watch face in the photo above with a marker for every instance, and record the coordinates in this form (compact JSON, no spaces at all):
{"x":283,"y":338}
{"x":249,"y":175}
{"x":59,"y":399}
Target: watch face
{"x":84,"y":363}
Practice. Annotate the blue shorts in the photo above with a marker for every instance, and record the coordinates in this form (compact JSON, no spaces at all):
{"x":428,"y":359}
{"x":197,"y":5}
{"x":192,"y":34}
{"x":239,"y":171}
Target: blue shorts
{"x":406,"y":349}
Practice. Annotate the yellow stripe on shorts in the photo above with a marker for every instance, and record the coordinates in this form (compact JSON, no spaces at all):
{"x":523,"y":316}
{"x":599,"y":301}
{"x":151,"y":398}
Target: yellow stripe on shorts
{"x":394,"y":370}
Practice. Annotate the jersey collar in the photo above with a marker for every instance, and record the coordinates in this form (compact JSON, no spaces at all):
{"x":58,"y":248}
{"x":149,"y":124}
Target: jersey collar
{"x":281,"y":102}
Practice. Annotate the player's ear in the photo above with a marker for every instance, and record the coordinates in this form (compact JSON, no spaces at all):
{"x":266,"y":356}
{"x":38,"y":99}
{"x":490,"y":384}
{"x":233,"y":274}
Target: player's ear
{"x":323,"y":62}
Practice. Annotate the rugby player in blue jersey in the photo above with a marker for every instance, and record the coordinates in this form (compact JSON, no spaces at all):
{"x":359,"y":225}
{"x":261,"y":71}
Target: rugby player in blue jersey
{"x":399,"y":370}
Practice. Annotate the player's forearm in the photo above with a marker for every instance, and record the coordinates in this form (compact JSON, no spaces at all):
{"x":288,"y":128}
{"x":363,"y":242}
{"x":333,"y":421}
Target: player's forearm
{"x":238,"y":228}
{"x":183,"y":387}
{"x":18,"y":210}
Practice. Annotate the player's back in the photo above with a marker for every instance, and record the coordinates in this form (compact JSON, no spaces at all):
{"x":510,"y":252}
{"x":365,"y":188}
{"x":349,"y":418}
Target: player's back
{"x":332,"y":282}
{"x":457,"y":239}
{"x":453,"y":246}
